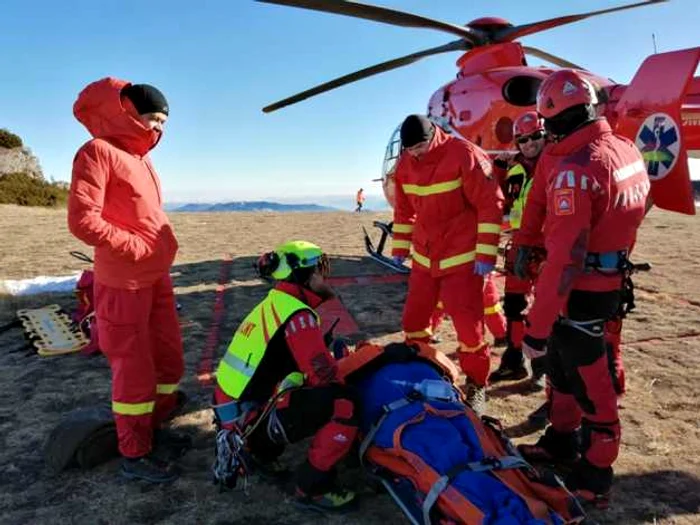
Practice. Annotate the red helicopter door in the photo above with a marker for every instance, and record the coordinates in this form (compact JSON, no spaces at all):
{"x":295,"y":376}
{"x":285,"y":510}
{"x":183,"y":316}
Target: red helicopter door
{"x":649,"y":113}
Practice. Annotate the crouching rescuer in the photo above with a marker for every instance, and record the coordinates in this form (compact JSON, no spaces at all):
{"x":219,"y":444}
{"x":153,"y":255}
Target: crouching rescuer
{"x":277,"y":384}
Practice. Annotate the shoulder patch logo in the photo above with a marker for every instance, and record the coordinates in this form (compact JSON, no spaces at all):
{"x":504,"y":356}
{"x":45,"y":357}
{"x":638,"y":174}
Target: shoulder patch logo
{"x":564,"y":202}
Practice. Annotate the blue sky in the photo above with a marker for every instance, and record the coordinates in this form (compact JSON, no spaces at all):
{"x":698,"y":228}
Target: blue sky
{"x":220,"y":62}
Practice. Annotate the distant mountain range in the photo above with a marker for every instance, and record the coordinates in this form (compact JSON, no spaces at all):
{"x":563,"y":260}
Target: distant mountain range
{"x":247,"y":206}
{"x":319,"y":203}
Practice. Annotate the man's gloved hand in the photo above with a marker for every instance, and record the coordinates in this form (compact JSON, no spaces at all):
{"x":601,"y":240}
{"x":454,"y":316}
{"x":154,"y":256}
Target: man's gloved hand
{"x":482,"y":268}
{"x":340,"y":347}
{"x":533,"y":347}
{"x":521,"y":266}
{"x":398,"y":259}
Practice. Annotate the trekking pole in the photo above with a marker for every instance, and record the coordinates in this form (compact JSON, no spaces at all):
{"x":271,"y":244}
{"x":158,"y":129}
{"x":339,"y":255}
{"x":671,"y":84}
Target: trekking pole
{"x":81,"y":256}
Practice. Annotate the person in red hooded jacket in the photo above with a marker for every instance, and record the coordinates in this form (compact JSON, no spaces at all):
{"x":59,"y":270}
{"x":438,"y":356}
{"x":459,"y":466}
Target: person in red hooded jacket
{"x":115,"y":205}
{"x":449,"y":209}
{"x":595,"y":190}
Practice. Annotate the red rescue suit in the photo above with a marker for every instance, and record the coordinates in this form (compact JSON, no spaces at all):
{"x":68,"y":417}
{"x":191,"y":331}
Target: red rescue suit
{"x":595,"y":191}
{"x":449,"y":208}
{"x":115,"y":205}
{"x":323,"y":408}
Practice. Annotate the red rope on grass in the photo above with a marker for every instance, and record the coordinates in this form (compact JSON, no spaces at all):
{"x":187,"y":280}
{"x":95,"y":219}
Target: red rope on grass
{"x":205,"y":369}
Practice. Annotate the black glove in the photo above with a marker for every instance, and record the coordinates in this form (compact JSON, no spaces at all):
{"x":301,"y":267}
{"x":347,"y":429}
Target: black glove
{"x":328,"y":336}
{"x":521,"y":267}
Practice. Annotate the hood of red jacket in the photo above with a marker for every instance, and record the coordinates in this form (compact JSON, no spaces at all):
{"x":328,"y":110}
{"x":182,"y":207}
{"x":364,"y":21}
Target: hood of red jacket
{"x":100,"y":110}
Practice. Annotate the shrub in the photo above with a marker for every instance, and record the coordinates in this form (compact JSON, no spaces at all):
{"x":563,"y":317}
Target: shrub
{"x":22,"y":189}
{"x":9,"y":140}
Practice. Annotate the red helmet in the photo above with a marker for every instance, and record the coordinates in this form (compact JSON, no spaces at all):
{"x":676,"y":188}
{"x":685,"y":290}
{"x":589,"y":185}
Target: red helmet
{"x":527,"y":124}
{"x":562,"y":90}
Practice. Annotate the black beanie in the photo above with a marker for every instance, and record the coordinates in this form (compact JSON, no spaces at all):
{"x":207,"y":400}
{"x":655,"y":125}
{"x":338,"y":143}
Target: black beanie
{"x":415,"y":129}
{"x":146,"y":98}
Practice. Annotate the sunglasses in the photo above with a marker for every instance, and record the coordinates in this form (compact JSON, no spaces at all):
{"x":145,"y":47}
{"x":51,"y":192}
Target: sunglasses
{"x":537,"y":135}
{"x":322,"y":263}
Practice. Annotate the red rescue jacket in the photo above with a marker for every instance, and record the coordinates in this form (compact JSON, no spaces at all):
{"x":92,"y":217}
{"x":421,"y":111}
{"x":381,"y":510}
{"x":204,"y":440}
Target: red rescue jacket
{"x":449,"y":206}
{"x":595,"y":190}
{"x":115,"y":199}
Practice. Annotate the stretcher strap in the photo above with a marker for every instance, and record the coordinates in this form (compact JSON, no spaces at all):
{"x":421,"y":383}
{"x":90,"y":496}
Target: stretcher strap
{"x":394,"y":405}
{"x":486,"y":464}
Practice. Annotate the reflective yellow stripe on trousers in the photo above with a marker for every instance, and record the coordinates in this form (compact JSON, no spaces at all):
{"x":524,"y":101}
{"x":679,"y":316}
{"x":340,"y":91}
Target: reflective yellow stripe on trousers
{"x":133,"y":409}
{"x":165,"y":388}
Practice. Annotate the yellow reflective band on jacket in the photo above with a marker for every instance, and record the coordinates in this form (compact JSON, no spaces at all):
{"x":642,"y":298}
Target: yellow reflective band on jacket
{"x":432,"y":189}
{"x":133,"y":409}
{"x":516,"y":210}
{"x":406,"y":245}
{"x":487,"y":249}
{"x":165,"y":389}
{"x":251,"y":339}
{"x":402,"y":228}
{"x":487,"y":227}
{"x":444,"y":264}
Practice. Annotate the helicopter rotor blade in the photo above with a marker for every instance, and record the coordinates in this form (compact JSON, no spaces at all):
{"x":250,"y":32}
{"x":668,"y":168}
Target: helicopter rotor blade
{"x":552,"y":59}
{"x":456,"y":45}
{"x":511,"y":33}
{"x":383,"y":15}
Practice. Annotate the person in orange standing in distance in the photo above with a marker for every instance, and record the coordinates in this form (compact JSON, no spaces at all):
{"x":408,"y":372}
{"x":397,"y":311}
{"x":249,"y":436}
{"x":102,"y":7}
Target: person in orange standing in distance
{"x":360,"y":199}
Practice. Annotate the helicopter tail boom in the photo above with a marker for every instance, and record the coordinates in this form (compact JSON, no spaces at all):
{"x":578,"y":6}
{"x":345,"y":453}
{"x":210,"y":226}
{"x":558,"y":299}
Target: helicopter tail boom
{"x":658,"y":117}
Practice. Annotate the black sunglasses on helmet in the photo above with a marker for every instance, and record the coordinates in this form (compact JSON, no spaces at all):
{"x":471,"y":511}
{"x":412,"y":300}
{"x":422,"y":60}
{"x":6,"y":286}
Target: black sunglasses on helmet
{"x":537,"y":135}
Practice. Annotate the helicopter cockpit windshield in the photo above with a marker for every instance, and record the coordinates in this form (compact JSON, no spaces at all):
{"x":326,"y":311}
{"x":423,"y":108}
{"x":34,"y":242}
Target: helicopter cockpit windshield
{"x":391,"y":155}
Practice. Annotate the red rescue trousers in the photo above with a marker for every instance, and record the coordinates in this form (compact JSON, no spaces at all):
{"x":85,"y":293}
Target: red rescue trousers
{"x":462,"y":296}
{"x":140,"y":336}
{"x":493,"y":312}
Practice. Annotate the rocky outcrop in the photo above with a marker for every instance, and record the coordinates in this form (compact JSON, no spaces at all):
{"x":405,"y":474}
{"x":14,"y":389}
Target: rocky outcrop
{"x":20,"y":160}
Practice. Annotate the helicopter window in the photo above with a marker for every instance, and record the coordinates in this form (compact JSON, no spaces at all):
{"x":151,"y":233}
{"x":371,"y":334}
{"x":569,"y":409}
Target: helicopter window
{"x":521,"y":90}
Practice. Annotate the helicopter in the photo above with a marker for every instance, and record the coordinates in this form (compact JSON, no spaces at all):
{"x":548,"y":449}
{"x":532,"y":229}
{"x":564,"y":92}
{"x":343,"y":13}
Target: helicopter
{"x":495,"y":84}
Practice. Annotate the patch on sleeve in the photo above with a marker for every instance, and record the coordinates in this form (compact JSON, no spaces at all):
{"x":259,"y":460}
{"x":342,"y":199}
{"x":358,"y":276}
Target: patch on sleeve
{"x":486,"y":167}
{"x":564,"y":202}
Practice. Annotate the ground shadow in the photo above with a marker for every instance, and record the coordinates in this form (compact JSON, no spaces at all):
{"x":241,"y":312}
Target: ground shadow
{"x":55,"y":386}
{"x":652,"y":496}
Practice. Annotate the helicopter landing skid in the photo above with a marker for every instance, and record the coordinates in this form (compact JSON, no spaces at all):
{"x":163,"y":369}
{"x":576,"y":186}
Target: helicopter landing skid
{"x":376,"y":253}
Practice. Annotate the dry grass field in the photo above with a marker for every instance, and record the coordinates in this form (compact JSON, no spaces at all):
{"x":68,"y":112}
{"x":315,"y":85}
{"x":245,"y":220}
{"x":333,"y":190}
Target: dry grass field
{"x":658,"y":472}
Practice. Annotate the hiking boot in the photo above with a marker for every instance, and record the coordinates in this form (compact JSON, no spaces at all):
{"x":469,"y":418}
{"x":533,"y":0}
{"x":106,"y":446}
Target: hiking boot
{"x":335,"y":500}
{"x":539,"y":416}
{"x":555,"y":448}
{"x":538,"y":380}
{"x":476,"y":396}
{"x":171,"y":445}
{"x":591,"y":485}
{"x":271,"y":471}
{"x":148,"y":468}
{"x":511,"y":368}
